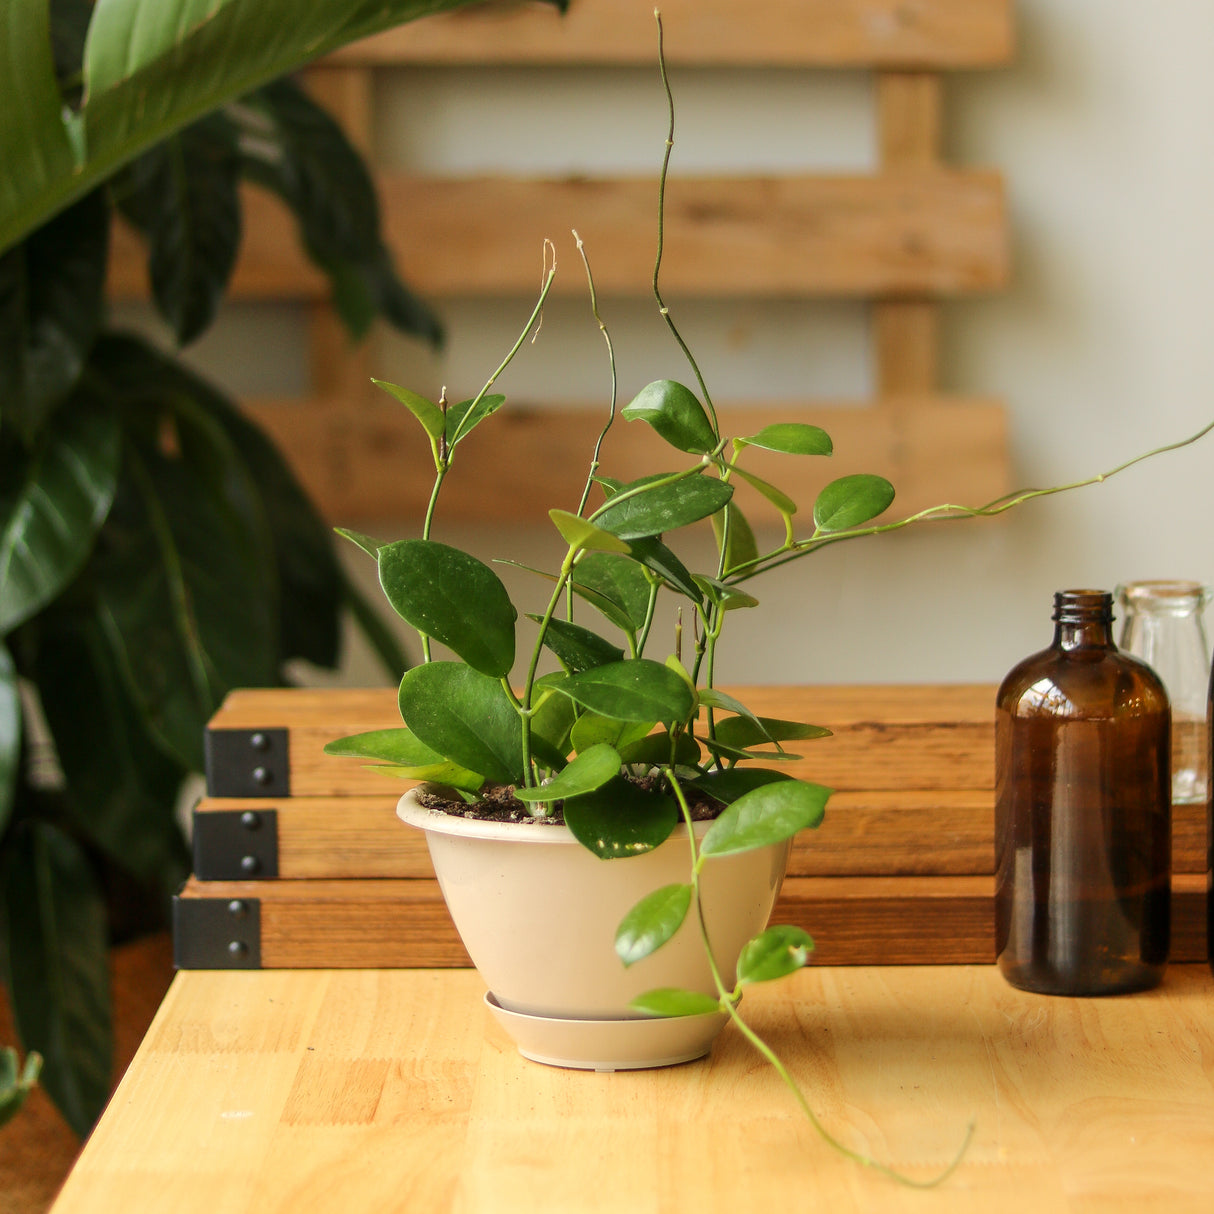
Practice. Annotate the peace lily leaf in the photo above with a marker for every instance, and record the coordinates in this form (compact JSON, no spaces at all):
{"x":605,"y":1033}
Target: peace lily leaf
{"x":675,"y":413}
{"x":65,"y":493}
{"x":621,"y":819}
{"x":731,"y":783}
{"x":663,"y":506}
{"x":579,"y":533}
{"x":728,"y":598}
{"x":576,"y":647}
{"x":58,"y":976}
{"x":791,"y":438}
{"x":400,"y":746}
{"x":590,"y":770}
{"x":654,"y":750}
{"x":657,"y":558}
{"x":10,"y":734}
{"x":369,"y":545}
{"x":426,"y":411}
{"x":464,"y":417}
{"x":454,"y":598}
{"x":779,"y":951}
{"x":852,"y":500}
{"x":466,"y":717}
{"x":619,"y":580}
{"x":637,"y":690}
{"x":765,"y":815}
{"x":590,"y":729}
{"x":743,"y":547}
{"x":668,"y":1001}
{"x":742,"y":733}
{"x":778,"y":498}
{"x":652,"y":922}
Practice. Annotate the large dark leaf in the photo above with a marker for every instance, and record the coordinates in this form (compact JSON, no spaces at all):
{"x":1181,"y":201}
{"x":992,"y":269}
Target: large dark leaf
{"x":10,"y":735}
{"x":454,"y":598}
{"x":121,"y":787}
{"x":663,"y":506}
{"x":636,"y":690}
{"x":58,"y":980}
{"x":621,"y":819}
{"x":466,"y":717}
{"x":181,"y":195}
{"x":51,"y":296}
{"x":62,"y":496}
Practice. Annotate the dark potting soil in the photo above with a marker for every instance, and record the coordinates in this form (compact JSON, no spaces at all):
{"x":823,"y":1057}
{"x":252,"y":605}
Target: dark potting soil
{"x":499,"y":804}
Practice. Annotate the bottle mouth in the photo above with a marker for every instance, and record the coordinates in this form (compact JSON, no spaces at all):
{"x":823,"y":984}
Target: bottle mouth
{"x":1079,"y":606}
{"x":1170,"y":595}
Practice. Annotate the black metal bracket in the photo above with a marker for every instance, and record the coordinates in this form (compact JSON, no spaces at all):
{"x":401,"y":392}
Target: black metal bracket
{"x":236,"y":844}
{"x":248,"y":763}
{"x":216,"y":933}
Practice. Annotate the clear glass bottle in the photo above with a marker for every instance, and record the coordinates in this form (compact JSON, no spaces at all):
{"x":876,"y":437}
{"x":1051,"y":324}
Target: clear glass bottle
{"x":1162,"y":626}
{"x":1083,"y":821}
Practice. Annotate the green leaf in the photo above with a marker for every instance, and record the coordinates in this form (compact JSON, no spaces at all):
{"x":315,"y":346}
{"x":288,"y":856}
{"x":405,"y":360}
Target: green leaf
{"x":618,"y":580}
{"x":449,"y":775}
{"x":426,"y":411}
{"x":728,"y":784}
{"x":728,"y":598}
{"x":552,"y":719}
{"x":852,"y":500}
{"x":16,"y":1086}
{"x":790,"y":438}
{"x":662,"y":505}
{"x":635,"y":690}
{"x":654,"y":750}
{"x":743,"y":547}
{"x":658,"y":559}
{"x":368,"y":544}
{"x":675,"y":413}
{"x":669,"y":1001}
{"x":621,"y":819}
{"x":466,"y":717}
{"x":454,"y":598}
{"x":10,"y":735}
{"x":723,"y":750}
{"x":590,"y":729}
{"x":779,"y":951}
{"x":400,"y":746}
{"x":652,"y":922}
{"x":66,"y":491}
{"x":579,"y":533}
{"x":740,"y":733}
{"x":711,"y":697}
{"x":464,"y":417}
{"x":58,"y":976}
{"x":590,"y":770}
{"x":778,"y":498}
{"x":182,"y":196}
{"x":576,"y":647}
{"x":765,"y":815}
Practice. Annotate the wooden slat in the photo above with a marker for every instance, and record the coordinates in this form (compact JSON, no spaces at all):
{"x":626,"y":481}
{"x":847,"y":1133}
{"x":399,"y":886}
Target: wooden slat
{"x":854,"y":920}
{"x":825,"y":33}
{"x":370,"y":464}
{"x":938,"y":232}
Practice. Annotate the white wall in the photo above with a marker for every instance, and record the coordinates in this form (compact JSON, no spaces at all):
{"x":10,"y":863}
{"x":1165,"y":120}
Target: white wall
{"x":1100,"y":347}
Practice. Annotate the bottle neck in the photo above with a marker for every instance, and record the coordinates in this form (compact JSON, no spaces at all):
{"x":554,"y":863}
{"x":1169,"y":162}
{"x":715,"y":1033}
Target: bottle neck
{"x":1083,"y":619}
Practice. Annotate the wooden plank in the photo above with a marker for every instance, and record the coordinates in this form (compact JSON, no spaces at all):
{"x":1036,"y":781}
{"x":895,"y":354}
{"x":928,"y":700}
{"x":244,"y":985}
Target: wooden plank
{"x":370,"y":464}
{"x":790,"y":33}
{"x":937,"y":232}
{"x":854,"y":920}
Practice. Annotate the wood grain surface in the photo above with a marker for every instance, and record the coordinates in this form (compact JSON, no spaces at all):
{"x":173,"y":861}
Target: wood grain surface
{"x":377,"y":1091}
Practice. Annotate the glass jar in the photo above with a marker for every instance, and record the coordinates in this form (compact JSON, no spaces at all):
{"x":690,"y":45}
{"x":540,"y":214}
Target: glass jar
{"x":1082,"y":812}
{"x":1162,"y":626}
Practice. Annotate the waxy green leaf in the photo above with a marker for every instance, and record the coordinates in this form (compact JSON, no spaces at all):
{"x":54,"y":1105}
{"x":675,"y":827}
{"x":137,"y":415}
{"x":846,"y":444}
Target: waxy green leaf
{"x":367,"y":543}
{"x":742,"y":545}
{"x":444,"y":773}
{"x":426,"y":411}
{"x":669,"y":1001}
{"x":454,"y":598}
{"x":662,"y":505}
{"x":739,"y":732}
{"x":852,"y":500}
{"x":655,"y":750}
{"x":675,"y":413}
{"x":578,"y":648}
{"x":466,"y":717}
{"x":635,"y":690}
{"x":778,"y":498}
{"x":621,"y":819}
{"x":790,"y":438}
{"x":652,"y":922}
{"x":400,"y":746}
{"x":765,"y":815}
{"x":616,"y":579}
{"x":728,"y":598}
{"x":466,"y":415}
{"x":590,"y":729}
{"x":591,"y":769}
{"x":778,"y":952}
{"x":659,"y":559}
{"x":728,"y":784}
{"x":580,"y":534}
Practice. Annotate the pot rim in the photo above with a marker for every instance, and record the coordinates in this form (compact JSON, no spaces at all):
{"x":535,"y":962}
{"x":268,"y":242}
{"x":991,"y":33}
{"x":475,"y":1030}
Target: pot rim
{"x":413,"y":813}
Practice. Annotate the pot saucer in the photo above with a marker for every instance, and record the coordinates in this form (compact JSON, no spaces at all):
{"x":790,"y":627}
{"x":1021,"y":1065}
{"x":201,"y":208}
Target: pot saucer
{"x":609,"y":1045}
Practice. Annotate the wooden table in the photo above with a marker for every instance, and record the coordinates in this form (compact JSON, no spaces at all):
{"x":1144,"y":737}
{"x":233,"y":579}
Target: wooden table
{"x":385,"y":1090}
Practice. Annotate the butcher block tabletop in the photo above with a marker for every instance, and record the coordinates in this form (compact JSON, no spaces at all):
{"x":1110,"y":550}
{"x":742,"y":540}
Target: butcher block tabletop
{"x":393,"y":1090}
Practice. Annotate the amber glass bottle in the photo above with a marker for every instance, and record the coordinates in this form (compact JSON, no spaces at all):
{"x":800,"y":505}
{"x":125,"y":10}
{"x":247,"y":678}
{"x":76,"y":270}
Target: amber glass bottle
{"x":1083,"y":813}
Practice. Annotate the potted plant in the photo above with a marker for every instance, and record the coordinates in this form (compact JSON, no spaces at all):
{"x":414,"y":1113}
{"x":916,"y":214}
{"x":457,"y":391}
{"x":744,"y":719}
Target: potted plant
{"x":610,"y":835}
